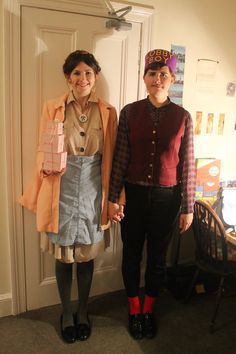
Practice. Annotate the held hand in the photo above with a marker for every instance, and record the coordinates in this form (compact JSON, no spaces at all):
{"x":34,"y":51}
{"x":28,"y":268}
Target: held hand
{"x":47,"y":173}
{"x":115,"y":212}
{"x":185,"y":222}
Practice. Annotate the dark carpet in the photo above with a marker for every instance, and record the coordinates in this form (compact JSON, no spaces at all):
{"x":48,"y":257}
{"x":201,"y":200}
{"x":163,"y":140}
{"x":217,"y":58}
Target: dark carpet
{"x":183,"y":328}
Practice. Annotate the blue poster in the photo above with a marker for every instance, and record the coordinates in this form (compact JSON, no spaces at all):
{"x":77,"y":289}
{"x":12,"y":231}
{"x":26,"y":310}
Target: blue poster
{"x":176,"y":91}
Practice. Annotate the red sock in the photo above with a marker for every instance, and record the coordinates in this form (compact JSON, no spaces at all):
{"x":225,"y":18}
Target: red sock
{"x":148,"y":304}
{"x":134,"y":305}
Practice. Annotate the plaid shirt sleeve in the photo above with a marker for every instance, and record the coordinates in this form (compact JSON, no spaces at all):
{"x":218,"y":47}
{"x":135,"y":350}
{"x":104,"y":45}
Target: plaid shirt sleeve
{"x":187,"y":161}
{"x":120,"y":158}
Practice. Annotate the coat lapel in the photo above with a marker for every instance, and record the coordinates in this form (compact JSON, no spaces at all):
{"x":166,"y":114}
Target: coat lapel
{"x":60,"y":108}
{"x":104,"y":110}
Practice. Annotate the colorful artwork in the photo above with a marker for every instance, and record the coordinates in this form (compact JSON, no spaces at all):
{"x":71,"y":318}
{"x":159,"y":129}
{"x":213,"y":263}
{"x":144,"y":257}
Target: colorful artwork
{"x":207,"y":178}
{"x":198,"y":123}
{"x":176,"y":92}
{"x":210,"y":121}
{"x":221,"y":123}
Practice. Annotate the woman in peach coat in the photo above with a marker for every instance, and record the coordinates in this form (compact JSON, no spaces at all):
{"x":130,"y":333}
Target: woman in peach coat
{"x":71,"y":204}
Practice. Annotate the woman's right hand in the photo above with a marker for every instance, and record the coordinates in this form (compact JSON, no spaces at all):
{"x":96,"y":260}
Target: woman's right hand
{"x":47,"y":173}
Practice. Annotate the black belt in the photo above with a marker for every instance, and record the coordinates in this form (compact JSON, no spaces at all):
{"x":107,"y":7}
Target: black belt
{"x":146,"y":184}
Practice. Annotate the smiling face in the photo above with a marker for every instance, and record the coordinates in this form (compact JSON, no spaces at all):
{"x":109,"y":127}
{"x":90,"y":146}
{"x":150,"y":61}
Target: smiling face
{"x":82,"y":79}
{"x":158,"y":82}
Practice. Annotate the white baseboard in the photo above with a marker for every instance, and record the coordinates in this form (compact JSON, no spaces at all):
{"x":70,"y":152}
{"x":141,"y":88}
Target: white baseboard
{"x":5,"y":304}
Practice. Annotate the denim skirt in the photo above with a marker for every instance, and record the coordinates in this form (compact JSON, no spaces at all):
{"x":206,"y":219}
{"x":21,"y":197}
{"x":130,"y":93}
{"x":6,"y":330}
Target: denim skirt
{"x":80,"y":202}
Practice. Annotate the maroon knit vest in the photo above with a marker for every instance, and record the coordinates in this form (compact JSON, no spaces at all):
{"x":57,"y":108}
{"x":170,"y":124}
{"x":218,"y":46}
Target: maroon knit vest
{"x":154,"y":149}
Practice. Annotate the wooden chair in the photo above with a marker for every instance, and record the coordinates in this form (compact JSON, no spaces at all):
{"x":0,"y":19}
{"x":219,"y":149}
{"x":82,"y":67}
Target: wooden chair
{"x":214,"y":254}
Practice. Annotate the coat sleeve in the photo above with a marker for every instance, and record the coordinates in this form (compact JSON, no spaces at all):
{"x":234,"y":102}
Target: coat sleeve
{"x":30,"y":195}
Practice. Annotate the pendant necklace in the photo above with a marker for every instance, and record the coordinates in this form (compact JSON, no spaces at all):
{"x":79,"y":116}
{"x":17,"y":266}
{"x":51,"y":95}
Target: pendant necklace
{"x":83,"y":116}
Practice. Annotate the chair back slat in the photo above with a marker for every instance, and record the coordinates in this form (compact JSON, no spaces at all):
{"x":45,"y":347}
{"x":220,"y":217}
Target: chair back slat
{"x":209,"y":234}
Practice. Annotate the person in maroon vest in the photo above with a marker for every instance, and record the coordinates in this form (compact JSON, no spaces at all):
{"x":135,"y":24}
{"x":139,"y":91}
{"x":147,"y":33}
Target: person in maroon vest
{"x":154,"y":162}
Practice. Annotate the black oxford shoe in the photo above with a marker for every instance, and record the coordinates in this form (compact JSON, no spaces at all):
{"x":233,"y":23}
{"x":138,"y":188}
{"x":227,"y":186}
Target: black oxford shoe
{"x":68,"y":333}
{"x":149,"y":325}
{"x":136,"y":326}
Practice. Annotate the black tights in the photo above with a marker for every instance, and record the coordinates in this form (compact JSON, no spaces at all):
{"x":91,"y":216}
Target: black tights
{"x":84,"y":273}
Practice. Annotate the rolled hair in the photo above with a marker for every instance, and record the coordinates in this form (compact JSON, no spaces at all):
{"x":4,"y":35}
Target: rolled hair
{"x":78,"y":56}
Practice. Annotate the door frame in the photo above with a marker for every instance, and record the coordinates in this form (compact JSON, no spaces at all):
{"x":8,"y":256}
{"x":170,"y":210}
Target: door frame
{"x":12,"y":114}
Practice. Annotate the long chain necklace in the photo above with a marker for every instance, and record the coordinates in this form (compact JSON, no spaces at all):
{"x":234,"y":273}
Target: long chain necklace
{"x":83,"y":116}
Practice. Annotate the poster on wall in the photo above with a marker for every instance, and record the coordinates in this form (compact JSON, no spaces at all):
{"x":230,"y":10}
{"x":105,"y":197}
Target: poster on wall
{"x":198,"y":123}
{"x":207,"y":178}
{"x":206,"y":78}
{"x":176,"y":91}
{"x":221,"y":123}
{"x":230,"y":89}
{"x":209,"y":123}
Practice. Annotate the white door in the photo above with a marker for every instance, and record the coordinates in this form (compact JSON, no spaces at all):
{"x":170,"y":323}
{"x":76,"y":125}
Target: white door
{"x":47,"y":38}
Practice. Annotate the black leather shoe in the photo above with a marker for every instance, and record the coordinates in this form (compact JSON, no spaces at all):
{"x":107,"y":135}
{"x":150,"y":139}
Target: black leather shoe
{"x":136,"y":326}
{"x":83,"y":330}
{"x":68,"y":333}
{"x":149,"y":325}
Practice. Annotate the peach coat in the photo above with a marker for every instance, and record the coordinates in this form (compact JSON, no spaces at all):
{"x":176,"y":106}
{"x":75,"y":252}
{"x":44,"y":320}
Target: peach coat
{"x":42,"y":194}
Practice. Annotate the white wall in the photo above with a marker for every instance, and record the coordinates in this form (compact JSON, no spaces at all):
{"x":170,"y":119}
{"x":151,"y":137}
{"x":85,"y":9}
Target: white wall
{"x":207,"y":29}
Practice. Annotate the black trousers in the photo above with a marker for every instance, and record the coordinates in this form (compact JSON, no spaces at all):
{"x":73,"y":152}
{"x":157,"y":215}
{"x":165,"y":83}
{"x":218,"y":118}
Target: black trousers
{"x":150,"y":213}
